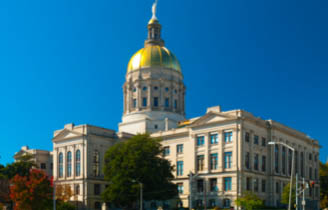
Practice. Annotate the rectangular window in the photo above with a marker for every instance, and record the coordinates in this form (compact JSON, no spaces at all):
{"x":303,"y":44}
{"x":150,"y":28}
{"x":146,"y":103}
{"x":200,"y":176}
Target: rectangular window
{"x":214,"y":161}
{"x":247,"y":158}
{"x":310,"y":172}
{"x":289,"y":161}
{"x":227,"y":183}
{"x":134,"y":103}
{"x":200,"y":141}
{"x":214,"y":138}
{"x":263,"y":142}
{"x":256,"y":185}
{"x":200,"y":185}
{"x":144,"y":101}
{"x":166,"y":151}
{"x":247,"y":137}
{"x":199,"y":203}
{"x":228,"y":136}
{"x":167,"y":102}
{"x":175,"y":104}
{"x":256,"y":162}
{"x":276,"y":158}
{"x":296,"y":162}
{"x":43,"y":166}
{"x":180,"y":188}
{"x":96,"y":189}
{"x":227,"y":159}
{"x":263,"y":163}
{"x":180,"y":148}
{"x":212,"y":203}
{"x":179,"y":168}
{"x":155,"y":101}
{"x":283,"y":160}
{"x":200,"y":162}
{"x":249,"y":184}
{"x":213,"y":185}
{"x":277,"y":187}
{"x":256,"y":139}
{"x":302,"y":164}
{"x":263,"y":185}
{"x":77,"y":189}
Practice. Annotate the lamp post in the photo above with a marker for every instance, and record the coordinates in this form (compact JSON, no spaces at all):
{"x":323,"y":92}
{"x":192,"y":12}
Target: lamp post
{"x":292,"y":171}
{"x":54,"y":194}
{"x":141,"y":191}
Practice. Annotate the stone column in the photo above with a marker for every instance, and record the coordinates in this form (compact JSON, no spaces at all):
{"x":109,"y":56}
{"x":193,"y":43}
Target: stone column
{"x":139,"y":102}
{"x":251,"y":153}
{"x":206,"y":154}
{"x":73,"y":160}
{"x":221,"y":153}
{"x":161,"y":95}
{"x":129,"y":98}
{"x":65,"y":162}
{"x":55,"y":164}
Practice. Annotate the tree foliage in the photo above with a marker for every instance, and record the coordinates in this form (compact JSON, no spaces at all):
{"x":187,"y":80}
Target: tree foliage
{"x":285,"y":194}
{"x":64,"y":192}
{"x":249,"y":201}
{"x":323,"y":173}
{"x":64,"y":206}
{"x":32,"y":192}
{"x":4,"y":190}
{"x":137,"y":160}
{"x":21,"y":167}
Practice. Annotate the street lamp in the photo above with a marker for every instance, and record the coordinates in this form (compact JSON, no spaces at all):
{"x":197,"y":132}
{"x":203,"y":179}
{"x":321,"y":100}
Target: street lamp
{"x":141,"y":186}
{"x":292,"y":172}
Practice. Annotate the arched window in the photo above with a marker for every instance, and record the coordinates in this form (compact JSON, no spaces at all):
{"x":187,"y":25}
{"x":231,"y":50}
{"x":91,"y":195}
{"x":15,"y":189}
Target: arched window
{"x":78,"y":163}
{"x":60,"y":165}
{"x":69,"y":164}
{"x":96,"y":163}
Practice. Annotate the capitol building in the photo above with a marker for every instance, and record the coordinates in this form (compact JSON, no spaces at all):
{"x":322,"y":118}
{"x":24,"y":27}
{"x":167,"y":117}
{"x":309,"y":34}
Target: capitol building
{"x":217,"y":156}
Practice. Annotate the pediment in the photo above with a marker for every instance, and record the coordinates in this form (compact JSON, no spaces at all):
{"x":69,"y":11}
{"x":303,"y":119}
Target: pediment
{"x":212,"y":117}
{"x":66,"y":134}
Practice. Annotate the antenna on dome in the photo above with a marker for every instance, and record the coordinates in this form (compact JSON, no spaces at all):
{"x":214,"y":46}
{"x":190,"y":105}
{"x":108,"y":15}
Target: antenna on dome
{"x":154,"y":7}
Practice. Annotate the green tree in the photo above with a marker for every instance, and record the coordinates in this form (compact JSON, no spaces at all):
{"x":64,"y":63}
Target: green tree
{"x":323,"y":173}
{"x":134,"y":161}
{"x":249,"y":201}
{"x":21,"y":167}
{"x":64,"y":206}
{"x":285,"y":194}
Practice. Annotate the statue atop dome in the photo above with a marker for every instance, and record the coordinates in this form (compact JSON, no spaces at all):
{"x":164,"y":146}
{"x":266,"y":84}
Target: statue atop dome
{"x":154,"y":7}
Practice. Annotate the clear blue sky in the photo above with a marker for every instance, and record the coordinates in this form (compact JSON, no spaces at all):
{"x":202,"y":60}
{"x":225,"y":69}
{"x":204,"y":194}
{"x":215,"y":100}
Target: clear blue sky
{"x":65,"y":61}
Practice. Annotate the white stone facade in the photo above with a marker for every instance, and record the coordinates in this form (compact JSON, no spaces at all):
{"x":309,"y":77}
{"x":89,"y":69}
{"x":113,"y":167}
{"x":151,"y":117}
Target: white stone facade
{"x":83,"y":171}
{"x":260,"y":178}
{"x":42,"y":158}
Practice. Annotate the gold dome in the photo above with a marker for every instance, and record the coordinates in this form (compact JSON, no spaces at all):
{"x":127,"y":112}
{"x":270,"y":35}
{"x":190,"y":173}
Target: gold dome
{"x":151,"y":56}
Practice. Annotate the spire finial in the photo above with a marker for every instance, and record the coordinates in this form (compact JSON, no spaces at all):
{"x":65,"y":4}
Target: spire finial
{"x":154,"y":7}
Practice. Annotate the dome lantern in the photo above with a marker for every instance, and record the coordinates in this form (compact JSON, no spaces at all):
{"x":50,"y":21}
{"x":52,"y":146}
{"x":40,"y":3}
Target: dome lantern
{"x":154,"y":30}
